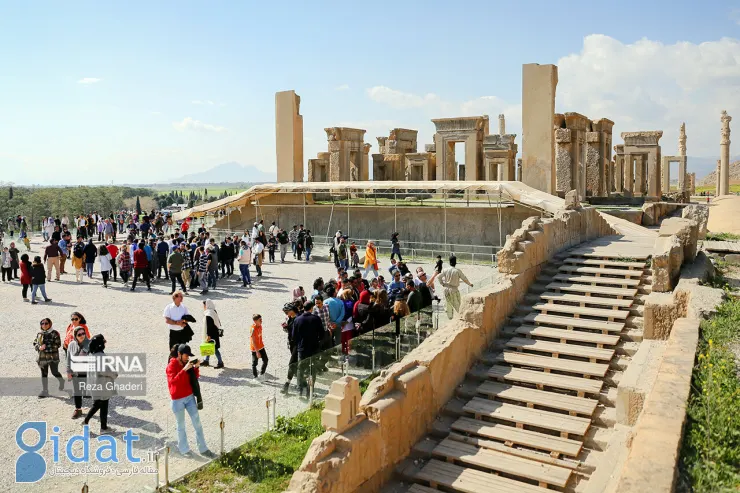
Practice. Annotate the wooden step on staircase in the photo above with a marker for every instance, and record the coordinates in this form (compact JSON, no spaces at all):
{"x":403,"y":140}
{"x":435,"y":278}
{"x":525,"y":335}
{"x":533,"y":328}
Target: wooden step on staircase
{"x":535,"y":407}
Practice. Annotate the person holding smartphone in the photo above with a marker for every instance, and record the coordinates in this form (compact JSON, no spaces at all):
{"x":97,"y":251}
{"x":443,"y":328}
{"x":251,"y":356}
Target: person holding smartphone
{"x":181,"y":393}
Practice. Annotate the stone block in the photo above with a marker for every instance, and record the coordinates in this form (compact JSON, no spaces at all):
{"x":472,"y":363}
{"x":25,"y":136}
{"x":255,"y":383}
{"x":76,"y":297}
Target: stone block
{"x":687,"y":232}
{"x":571,"y":200}
{"x":638,"y":380}
{"x":732,"y":258}
{"x":659,"y":314}
{"x":700,"y":214}
{"x":667,"y":260}
{"x":342,"y":404}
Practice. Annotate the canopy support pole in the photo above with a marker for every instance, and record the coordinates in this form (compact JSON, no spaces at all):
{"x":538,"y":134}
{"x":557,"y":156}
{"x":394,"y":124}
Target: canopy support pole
{"x":395,"y":206}
{"x":444,"y":207}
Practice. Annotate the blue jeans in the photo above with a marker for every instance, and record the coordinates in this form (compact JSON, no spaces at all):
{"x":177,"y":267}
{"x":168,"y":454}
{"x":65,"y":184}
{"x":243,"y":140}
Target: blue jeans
{"x":244,"y":270}
{"x":89,"y":268}
{"x":218,"y":357}
{"x":34,"y":287}
{"x":308,"y":253}
{"x":179,"y":406}
{"x":212,"y":276}
{"x":344,"y":264}
{"x":369,"y":268}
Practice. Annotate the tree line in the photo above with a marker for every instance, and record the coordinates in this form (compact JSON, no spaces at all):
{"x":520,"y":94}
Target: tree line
{"x":36,"y":203}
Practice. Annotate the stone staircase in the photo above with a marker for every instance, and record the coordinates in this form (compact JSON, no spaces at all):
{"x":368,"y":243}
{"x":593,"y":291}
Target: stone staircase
{"x":537,"y":411}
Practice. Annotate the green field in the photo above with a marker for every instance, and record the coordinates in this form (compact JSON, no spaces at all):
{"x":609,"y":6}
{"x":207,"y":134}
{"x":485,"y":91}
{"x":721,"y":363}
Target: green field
{"x":711,"y":188}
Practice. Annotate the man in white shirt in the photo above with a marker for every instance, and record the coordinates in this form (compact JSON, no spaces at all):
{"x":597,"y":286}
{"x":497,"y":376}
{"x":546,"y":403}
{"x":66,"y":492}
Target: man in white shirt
{"x":273,"y":230}
{"x":450,"y":280}
{"x":173,"y":316}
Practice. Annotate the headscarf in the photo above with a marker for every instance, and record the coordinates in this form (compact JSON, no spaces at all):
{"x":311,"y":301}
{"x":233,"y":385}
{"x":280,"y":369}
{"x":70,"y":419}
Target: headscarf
{"x":364,"y":300}
{"x":210,"y":311}
{"x":297,"y":294}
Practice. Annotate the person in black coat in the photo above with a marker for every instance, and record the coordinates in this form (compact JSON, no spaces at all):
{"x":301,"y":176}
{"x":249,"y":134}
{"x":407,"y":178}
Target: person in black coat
{"x":308,"y":332}
{"x":213,"y":331}
{"x":91,"y":253}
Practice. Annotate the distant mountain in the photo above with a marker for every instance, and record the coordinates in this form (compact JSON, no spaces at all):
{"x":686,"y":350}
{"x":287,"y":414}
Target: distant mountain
{"x":231,"y":172}
{"x":711,"y":178}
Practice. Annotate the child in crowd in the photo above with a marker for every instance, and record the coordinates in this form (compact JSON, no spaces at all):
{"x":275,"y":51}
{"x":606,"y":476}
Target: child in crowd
{"x":353,"y":254}
{"x":256,"y":345}
{"x":438,"y":265}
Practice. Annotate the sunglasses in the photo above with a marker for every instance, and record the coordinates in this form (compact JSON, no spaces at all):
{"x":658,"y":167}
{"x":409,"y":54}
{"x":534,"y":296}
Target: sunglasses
{"x":75,"y":319}
{"x":44,"y":323}
{"x":81,"y":334}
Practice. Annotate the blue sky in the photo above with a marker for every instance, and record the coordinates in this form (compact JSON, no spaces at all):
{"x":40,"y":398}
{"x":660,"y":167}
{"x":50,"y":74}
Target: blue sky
{"x":94,"y":92}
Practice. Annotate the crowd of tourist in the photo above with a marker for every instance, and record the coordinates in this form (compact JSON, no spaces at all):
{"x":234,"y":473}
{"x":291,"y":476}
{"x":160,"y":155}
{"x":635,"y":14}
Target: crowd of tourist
{"x":147,"y":248}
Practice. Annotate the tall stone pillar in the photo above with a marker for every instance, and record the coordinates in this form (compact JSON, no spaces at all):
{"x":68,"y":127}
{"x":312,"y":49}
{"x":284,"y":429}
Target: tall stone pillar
{"x":665,"y":175}
{"x":718,"y":172}
{"x":724,"y":154}
{"x":628,"y":178}
{"x":538,"y":110}
{"x":365,"y":171}
{"x":594,"y":167}
{"x":563,"y":161}
{"x":501,"y":124}
{"x":519,"y":169}
{"x":288,"y":137}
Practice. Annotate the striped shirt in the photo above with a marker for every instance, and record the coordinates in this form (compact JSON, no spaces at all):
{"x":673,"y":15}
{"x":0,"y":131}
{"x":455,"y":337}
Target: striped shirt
{"x":203,"y":262}
{"x":323,"y":314}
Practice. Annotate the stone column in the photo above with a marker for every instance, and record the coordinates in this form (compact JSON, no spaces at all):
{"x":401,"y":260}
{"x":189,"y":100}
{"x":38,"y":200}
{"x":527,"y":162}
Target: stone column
{"x":718,"y":178}
{"x":594,"y":170}
{"x":618,"y":173}
{"x":653,"y":175}
{"x":724,"y":154}
{"x":628,"y":179}
{"x":472,"y":158}
{"x":665,"y":175}
{"x":501,"y":124}
{"x":365,"y":171}
{"x":519,"y":169}
{"x":538,"y":111}
{"x":563,"y":161}
{"x":683,"y":182}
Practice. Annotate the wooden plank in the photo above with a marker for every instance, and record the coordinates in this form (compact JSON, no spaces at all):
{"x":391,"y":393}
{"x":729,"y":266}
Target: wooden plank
{"x":600,"y":271}
{"x":610,"y":281}
{"x":582,"y":310}
{"x":567,"y":335}
{"x":543,"y":398}
{"x":505,"y":463}
{"x":417,"y":488}
{"x":588,"y":300}
{"x":585,"y":288}
{"x":558,"y":364}
{"x":545,"y":458}
{"x":603,"y":252}
{"x":605,"y":262}
{"x":466,"y":480}
{"x":521,"y":415}
{"x":539,"y":378}
{"x":516,"y":436}
{"x":581,"y":323}
{"x":559,"y":348}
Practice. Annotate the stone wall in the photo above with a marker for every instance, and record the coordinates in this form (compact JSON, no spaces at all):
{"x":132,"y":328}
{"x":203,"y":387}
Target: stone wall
{"x":653,"y":212}
{"x":414,"y":223}
{"x":633,"y":216}
{"x":675,"y":245}
{"x":539,"y":238}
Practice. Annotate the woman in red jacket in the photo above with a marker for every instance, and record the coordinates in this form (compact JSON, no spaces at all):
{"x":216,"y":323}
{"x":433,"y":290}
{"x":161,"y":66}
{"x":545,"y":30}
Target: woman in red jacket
{"x":25,"y":275}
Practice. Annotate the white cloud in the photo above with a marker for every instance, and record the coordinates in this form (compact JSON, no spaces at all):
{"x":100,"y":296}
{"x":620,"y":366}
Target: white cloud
{"x":189,"y":123}
{"x":89,"y":80}
{"x":648,"y":85}
{"x":343,"y":87}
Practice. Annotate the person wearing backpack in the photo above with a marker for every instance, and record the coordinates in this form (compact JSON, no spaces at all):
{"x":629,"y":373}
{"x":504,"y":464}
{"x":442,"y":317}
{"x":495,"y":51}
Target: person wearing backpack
{"x":78,"y":259}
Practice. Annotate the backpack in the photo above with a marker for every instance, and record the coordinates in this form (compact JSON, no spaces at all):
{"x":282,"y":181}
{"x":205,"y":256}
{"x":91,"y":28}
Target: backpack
{"x":79,"y":250}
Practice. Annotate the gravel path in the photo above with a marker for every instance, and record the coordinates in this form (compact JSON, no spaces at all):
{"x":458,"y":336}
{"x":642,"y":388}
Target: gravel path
{"x":132,"y":322}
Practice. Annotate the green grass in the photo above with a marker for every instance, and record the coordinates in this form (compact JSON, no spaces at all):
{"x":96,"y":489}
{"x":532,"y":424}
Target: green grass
{"x":722,"y":236}
{"x":710,"y":456}
{"x":262,"y":465}
{"x":266,"y":463}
